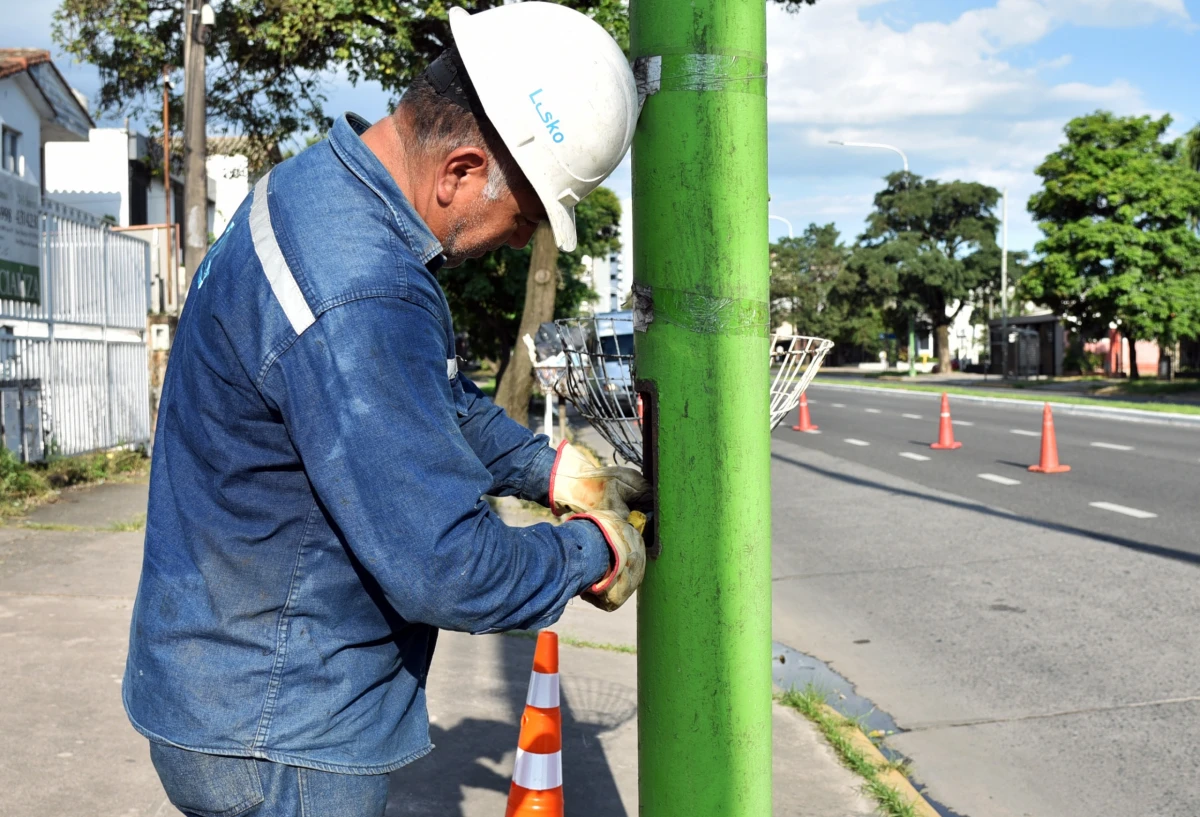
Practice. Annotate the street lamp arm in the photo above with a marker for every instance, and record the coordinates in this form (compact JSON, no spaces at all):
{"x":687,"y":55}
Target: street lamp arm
{"x":785,"y":221}
{"x":873,"y":145}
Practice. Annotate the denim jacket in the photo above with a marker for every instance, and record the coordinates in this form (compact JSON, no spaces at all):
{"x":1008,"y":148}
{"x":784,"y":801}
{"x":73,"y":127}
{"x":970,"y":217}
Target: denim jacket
{"x":316,"y":497}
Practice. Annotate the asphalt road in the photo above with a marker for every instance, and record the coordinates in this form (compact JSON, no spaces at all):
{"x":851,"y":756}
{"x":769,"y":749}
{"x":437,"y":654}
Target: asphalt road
{"x":1142,"y":468}
{"x":1040,"y":654}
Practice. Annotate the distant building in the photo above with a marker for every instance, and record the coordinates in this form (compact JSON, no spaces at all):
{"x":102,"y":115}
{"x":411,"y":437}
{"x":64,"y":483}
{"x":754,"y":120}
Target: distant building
{"x":113,"y":176}
{"x":36,"y":106}
{"x":611,"y":277}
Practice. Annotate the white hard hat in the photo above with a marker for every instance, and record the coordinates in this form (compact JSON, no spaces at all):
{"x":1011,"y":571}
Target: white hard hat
{"x":559,"y":92}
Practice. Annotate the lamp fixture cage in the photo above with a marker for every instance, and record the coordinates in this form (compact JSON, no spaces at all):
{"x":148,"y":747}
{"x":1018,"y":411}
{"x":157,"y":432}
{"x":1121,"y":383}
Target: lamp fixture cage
{"x":594,"y":371}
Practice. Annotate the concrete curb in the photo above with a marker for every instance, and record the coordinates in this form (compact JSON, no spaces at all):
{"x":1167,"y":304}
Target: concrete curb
{"x":891,"y":777}
{"x":1126,"y":415}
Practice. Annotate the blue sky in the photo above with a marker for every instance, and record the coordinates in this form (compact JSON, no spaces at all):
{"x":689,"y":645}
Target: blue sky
{"x":969,"y":90}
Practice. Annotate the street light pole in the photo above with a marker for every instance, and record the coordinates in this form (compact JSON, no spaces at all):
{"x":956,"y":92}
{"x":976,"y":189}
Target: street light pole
{"x":700,"y":245}
{"x":873,"y":145}
{"x":785,"y":221}
{"x":1004,"y":286}
{"x":198,"y":22}
{"x":912,"y":321}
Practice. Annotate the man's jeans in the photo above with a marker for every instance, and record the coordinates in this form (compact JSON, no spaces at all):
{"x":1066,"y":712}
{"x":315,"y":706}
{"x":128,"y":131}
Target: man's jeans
{"x":203,"y":785}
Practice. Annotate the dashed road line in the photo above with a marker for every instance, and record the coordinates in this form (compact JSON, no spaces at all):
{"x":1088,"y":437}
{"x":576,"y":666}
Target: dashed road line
{"x":1123,"y":509}
{"x":918,"y":457}
{"x":853,"y":441}
{"x":999,"y":480}
{"x":1025,"y":433}
{"x":1113,"y":446}
{"x":838,"y":405}
{"x":872,"y":411}
{"x":963,"y":423}
{"x":911,"y":416}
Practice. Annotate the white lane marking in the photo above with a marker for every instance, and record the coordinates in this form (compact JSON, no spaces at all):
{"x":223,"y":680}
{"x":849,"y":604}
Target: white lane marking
{"x":911,"y":416}
{"x":963,"y":423}
{"x":1025,"y":433}
{"x":872,"y":411}
{"x":838,"y":405}
{"x":918,"y":457}
{"x":1113,"y":446}
{"x":1134,"y":512}
{"x":853,"y":441}
{"x":999,"y":480}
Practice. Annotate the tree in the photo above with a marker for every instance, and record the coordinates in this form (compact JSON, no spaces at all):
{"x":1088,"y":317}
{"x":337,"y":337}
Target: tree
{"x":1116,"y":210}
{"x":935,"y":243}
{"x":815,"y":288}
{"x":1191,"y":148}
{"x":268,"y":60}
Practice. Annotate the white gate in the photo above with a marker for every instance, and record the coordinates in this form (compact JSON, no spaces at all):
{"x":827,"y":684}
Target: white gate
{"x":81,"y":337}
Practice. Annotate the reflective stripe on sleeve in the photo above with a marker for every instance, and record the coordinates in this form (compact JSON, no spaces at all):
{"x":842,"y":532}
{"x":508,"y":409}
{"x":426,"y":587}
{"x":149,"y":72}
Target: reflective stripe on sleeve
{"x":543,"y":690}
{"x":538,"y":772}
{"x":279,"y":274}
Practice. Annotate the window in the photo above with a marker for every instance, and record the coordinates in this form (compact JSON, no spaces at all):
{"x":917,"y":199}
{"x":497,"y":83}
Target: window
{"x":10,"y":159}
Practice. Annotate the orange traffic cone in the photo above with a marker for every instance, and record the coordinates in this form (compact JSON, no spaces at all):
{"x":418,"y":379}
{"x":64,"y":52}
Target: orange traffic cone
{"x":537,"y":775}
{"x":1049,"y":463}
{"x":945,"y":428}
{"x":804,"y":422}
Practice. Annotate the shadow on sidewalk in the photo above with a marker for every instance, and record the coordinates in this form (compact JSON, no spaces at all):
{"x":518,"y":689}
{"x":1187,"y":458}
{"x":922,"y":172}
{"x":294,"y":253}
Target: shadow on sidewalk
{"x":477,"y":753}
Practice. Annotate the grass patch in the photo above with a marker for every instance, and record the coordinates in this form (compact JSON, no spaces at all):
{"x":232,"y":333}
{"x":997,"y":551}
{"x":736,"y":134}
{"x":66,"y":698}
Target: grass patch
{"x":530,"y":635}
{"x":24,"y":486}
{"x":136,"y":523}
{"x":1055,"y":397}
{"x":51,"y":526}
{"x":836,"y":729}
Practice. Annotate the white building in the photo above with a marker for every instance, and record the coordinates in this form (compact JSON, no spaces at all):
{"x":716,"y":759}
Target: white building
{"x":611,"y":278}
{"x":110,"y":177}
{"x":36,"y":106}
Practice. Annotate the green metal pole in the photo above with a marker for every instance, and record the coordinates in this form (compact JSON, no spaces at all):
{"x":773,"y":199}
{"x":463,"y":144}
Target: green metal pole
{"x":701,"y":276}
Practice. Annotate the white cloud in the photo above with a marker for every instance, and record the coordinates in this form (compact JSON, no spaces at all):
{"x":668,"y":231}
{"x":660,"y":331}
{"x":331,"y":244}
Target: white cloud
{"x":949,"y":93}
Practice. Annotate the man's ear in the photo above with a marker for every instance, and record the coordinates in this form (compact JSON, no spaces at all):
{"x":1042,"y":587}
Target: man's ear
{"x":464,"y":170}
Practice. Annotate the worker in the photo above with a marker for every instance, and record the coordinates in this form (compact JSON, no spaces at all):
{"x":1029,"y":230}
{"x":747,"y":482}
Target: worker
{"x":317,"y":506}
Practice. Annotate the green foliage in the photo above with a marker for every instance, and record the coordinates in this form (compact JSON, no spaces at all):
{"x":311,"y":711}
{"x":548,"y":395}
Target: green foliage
{"x":67,"y":471}
{"x":487,"y":294}
{"x":928,"y":246}
{"x":813,"y":288}
{"x":1117,"y":210}
{"x":21,"y":484}
{"x":17,"y":480}
{"x":268,"y":60}
{"x":1191,"y":149}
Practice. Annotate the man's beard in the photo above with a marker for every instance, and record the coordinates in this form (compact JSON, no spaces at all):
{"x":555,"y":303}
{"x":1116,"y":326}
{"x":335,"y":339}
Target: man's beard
{"x":454,"y":248}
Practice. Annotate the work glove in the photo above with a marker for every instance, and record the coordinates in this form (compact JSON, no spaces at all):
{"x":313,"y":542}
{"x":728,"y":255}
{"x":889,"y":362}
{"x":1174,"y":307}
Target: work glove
{"x":628,"y":564}
{"x":579,"y":484}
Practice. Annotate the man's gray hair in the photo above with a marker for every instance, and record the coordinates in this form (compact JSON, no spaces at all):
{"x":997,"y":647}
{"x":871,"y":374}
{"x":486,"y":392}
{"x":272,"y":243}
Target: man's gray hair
{"x":440,"y":126}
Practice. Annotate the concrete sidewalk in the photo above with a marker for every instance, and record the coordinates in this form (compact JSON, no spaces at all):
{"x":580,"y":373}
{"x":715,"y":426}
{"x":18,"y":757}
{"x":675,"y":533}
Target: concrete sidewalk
{"x":65,"y":601}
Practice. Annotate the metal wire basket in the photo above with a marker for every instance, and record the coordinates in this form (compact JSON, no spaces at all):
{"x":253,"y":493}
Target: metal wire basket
{"x":798,"y":357}
{"x":599,"y":378}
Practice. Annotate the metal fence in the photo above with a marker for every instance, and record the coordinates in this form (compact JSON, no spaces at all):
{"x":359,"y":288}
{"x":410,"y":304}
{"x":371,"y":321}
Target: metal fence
{"x":84,"y":338}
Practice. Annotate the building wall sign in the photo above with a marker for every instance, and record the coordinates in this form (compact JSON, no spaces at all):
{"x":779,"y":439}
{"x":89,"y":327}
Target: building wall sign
{"x":20,"y":274}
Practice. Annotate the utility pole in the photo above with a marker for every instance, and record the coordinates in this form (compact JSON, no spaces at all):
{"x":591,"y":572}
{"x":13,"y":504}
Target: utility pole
{"x":1004,"y":285}
{"x":198,"y":23}
{"x":172,"y":267}
{"x":700,"y":291}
